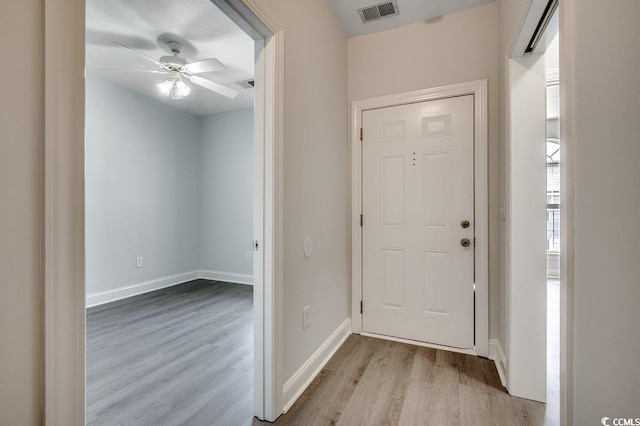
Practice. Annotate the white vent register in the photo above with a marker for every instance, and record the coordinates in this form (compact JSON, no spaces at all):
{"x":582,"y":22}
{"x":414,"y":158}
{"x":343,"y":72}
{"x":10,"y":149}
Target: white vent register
{"x":378,"y":11}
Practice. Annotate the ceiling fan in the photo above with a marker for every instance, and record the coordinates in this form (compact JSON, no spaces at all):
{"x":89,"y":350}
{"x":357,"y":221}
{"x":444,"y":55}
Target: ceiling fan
{"x":177,"y":69}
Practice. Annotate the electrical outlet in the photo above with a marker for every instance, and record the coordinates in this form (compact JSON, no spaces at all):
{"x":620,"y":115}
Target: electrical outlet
{"x":138,"y":262}
{"x":306,"y":314}
{"x":248,"y":255}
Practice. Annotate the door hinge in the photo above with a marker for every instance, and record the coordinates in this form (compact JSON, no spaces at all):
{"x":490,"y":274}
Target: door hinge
{"x":361,"y":306}
{"x":361,"y":134}
{"x":361,"y":220}
{"x":474,"y":241}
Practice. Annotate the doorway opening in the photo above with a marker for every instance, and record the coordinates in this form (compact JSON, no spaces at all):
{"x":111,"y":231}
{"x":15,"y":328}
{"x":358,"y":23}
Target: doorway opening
{"x":418,"y":222}
{"x":534,"y":204}
{"x":431,"y":121}
{"x":169,"y":212}
{"x":65,"y":301}
{"x":554,"y":195}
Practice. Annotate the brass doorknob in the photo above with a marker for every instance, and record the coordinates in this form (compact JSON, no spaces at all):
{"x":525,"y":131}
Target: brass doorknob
{"x":465,"y":242}
{"x":465,"y":223}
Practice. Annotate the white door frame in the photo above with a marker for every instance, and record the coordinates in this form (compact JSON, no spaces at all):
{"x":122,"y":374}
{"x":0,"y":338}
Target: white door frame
{"x":478,"y":89}
{"x":64,"y":287}
{"x":525,"y":251}
{"x":529,"y":16}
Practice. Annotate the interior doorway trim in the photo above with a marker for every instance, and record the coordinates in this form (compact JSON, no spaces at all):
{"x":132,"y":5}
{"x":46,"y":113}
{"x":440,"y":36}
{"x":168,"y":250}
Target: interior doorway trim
{"x":64,"y":288}
{"x":256,"y":20}
{"x":478,"y":89}
{"x":531,"y":12}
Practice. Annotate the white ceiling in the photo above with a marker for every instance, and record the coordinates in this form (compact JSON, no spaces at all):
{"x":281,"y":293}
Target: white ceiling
{"x":203,"y":30}
{"x":346,"y":11}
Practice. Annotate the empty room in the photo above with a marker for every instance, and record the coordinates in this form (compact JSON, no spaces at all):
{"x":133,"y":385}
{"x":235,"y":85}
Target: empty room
{"x":169,"y":214}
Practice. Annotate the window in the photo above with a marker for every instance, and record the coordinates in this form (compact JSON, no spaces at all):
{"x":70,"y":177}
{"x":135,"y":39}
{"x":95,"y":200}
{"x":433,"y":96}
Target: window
{"x":553,"y":195}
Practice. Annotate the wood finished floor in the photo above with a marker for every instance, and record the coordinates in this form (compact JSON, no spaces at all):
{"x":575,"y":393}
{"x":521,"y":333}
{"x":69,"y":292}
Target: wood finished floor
{"x":377,"y":382}
{"x":177,"y":356}
{"x":184,"y":356}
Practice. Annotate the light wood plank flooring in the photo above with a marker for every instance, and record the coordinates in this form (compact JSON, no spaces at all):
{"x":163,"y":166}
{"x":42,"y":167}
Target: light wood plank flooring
{"x":181,"y":355}
{"x":184,"y":356}
{"x":377,"y":382}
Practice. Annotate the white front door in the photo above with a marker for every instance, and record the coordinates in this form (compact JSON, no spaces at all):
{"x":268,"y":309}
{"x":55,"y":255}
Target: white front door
{"x":417,"y":191}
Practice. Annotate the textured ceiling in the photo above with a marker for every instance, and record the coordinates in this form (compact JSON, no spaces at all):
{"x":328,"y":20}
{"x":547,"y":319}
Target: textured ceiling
{"x":203,"y":30}
{"x":346,"y":11}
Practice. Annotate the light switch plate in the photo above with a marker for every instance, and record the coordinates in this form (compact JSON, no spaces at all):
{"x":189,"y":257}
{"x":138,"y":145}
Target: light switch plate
{"x":308,"y":248}
{"x":306,"y":316}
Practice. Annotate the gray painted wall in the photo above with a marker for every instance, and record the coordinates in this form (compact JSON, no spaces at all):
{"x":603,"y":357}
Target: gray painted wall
{"x":227,"y":191}
{"x":149,"y":167}
{"x":142,"y":193}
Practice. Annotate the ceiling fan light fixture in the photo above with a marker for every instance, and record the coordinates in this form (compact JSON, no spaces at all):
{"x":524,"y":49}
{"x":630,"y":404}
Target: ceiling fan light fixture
{"x":174,"y":88}
{"x":177,"y":69}
{"x":180,"y":90}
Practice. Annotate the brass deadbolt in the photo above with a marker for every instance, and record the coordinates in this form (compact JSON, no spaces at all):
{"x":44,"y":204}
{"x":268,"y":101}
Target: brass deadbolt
{"x":465,"y":223}
{"x":465,"y":242}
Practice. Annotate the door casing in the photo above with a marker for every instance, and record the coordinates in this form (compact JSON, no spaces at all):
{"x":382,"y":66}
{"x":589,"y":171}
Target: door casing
{"x":478,"y":89}
{"x":64,"y":292}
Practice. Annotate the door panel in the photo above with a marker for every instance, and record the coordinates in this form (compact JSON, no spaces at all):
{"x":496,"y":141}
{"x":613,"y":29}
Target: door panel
{"x":437,"y":297}
{"x":435,"y":203}
{"x":417,"y":188}
{"x":393,"y":283}
{"x":392,"y":191}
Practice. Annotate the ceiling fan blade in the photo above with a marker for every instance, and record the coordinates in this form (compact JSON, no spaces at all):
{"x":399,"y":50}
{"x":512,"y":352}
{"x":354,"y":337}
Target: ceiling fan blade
{"x":207,"y":65}
{"x":137,"y":53}
{"x":116,"y":69}
{"x":214,"y":87}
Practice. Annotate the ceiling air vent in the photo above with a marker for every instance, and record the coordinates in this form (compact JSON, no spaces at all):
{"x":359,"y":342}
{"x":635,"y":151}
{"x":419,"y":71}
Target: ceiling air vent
{"x":246,"y":84}
{"x":378,"y":11}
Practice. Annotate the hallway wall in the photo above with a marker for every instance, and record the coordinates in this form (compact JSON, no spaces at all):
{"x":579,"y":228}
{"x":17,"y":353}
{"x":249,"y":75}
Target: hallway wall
{"x":606,"y":155}
{"x":21,"y":217}
{"x":315,"y":174}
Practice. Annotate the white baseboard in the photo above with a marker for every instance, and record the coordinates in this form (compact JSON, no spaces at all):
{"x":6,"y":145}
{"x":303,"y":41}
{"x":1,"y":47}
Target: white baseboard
{"x":228,"y":277}
{"x":310,"y":369}
{"x":103,"y":297}
{"x":497,"y":355}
